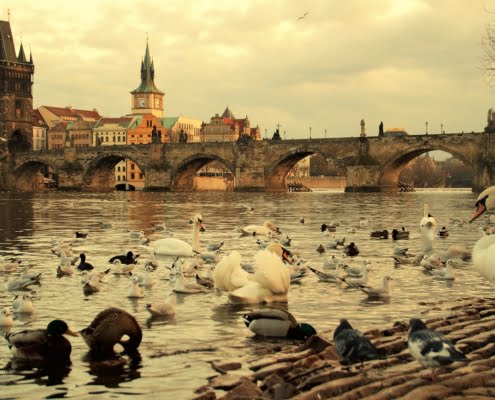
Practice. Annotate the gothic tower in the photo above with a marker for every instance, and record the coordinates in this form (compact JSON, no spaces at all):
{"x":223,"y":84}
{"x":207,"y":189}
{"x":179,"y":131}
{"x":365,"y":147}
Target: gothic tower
{"x":16,"y":98}
{"x":147,"y":99}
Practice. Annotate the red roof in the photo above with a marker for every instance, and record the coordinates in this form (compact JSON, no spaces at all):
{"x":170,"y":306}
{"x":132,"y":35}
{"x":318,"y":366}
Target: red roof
{"x":123,"y":121}
{"x":69,"y":112}
{"x":38,"y":119}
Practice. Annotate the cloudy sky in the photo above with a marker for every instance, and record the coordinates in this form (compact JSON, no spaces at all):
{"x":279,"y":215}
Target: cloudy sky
{"x":401,"y":61}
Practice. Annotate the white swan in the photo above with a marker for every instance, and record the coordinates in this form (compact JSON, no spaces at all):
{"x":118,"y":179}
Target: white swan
{"x":229,"y":275}
{"x":427,"y":221}
{"x":179,"y":248}
{"x":269,"y":283}
{"x":268,"y":228}
{"x":484,"y":249}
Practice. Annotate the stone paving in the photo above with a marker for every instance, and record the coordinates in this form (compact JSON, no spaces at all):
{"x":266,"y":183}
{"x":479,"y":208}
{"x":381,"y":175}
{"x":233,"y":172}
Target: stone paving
{"x":313,"y":371}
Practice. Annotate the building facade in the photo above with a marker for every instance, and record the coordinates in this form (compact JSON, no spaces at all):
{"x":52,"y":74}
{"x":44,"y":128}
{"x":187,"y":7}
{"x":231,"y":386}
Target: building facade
{"x":227,"y":128}
{"x":40,"y":140}
{"x":182,"y":129}
{"x":57,"y":136}
{"x":147,"y":98}
{"x":16,"y":98}
{"x":112,"y":131}
{"x":141,"y":131}
{"x":80,"y":132}
{"x":53,"y":115}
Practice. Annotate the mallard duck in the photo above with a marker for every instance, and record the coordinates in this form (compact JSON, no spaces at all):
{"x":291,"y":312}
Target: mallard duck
{"x":42,"y":344}
{"x":379,"y":234}
{"x":443,"y":232}
{"x":108,"y":329}
{"x":351,"y":249}
{"x":398,"y":235}
{"x":431,"y":349}
{"x":272,"y":322}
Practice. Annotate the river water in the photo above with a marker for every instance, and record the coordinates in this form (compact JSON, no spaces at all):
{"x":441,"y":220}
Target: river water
{"x":174,"y":354}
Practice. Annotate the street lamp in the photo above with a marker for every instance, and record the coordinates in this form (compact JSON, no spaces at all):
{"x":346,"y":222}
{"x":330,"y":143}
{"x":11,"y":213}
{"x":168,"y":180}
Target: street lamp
{"x":310,"y":132}
{"x":265,"y":133}
{"x":441,"y":128}
{"x":325,"y":133}
{"x":427,"y":127}
{"x":284,"y":135}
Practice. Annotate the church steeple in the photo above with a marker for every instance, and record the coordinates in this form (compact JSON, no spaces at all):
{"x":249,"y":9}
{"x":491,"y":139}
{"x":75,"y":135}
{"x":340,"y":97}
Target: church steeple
{"x":147,"y":75}
{"x":22,"y":56}
{"x":147,"y":98}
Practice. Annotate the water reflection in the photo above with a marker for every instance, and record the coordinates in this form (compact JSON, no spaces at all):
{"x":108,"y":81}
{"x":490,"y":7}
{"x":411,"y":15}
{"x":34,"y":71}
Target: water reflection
{"x":111,"y":372}
{"x":42,"y":373}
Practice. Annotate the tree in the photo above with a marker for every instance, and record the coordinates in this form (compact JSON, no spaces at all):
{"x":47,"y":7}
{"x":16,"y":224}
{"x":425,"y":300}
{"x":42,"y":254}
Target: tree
{"x":488,"y":54}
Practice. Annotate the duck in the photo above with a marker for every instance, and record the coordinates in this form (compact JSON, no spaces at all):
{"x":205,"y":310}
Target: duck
{"x":110,"y":327}
{"x":179,"y":248}
{"x":431,"y":349}
{"x":6,"y":319}
{"x":446,"y":273}
{"x":380,"y":293}
{"x":352,"y":346}
{"x":42,"y":344}
{"x":400,"y":235}
{"x":351,"y":250}
{"x":443,"y":232}
{"x":320,"y":249}
{"x":400,"y":251}
{"x":135,"y":291}
{"x":379,"y":234}
{"x":214,"y":246}
{"x":24,"y":304}
{"x":162,"y":308}
{"x":83,"y":265}
{"x":126,"y":259}
{"x":269,"y":283}
{"x":484,"y":249}
{"x":267,"y":229}
{"x":82,"y":235}
{"x":274,"y":322}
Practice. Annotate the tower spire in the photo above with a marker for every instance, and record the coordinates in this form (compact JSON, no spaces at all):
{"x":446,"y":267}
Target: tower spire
{"x":22,"y":56}
{"x":147,"y":74}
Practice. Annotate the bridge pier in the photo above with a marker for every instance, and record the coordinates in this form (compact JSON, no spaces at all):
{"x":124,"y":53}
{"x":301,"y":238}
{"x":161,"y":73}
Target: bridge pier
{"x":363,"y":178}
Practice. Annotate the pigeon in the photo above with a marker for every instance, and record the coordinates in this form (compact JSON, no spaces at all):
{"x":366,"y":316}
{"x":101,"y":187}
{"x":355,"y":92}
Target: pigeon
{"x":352,"y":345}
{"x":431,"y":349}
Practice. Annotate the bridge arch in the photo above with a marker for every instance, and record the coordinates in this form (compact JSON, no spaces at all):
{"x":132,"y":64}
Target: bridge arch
{"x":183,"y":176}
{"x":18,"y":141}
{"x":35,"y":174}
{"x":393,"y":166}
{"x":100,"y":172}
{"x":276,"y":174}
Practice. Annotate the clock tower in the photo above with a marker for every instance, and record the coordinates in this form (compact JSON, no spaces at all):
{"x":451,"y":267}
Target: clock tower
{"x":147,"y":99}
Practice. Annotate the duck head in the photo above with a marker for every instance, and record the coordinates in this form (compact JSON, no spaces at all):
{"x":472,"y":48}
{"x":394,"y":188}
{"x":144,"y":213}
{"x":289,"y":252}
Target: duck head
{"x":485,"y":201}
{"x":58,"y":328}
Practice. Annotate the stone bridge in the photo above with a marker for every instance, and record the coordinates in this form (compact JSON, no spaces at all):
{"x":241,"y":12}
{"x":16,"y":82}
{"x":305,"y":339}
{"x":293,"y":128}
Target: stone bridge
{"x":371,"y":163}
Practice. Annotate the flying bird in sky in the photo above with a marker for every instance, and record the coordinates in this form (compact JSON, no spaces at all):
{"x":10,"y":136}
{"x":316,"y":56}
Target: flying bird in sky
{"x":304,"y":16}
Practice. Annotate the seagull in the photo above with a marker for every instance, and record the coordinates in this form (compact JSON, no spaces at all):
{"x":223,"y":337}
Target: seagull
{"x":352,"y":345}
{"x":303,"y":16}
{"x":431,"y":349}
{"x":162,"y":308}
{"x":379,"y":293}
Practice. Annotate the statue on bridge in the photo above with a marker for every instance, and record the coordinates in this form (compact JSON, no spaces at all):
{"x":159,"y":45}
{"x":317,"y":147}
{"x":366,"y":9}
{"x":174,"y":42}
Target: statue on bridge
{"x":380,"y":129}
{"x":276,"y":135}
{"x":363,"y":128}
{"x":490,"y":126}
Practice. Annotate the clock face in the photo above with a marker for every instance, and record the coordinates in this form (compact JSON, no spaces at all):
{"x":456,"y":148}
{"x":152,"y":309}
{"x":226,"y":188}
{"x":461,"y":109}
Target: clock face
{"x":141,"y":102}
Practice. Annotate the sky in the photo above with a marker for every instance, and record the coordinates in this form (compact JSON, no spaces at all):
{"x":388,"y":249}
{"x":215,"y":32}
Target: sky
{"x":403,"y":62}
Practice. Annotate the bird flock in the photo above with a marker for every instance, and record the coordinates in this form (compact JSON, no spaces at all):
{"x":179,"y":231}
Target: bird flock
{"x":264,"y":279}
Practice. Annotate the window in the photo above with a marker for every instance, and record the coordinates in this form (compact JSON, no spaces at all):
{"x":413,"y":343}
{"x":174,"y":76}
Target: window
{"x":123,"y":169}
{"x":132,"y":167}
{"x":118,"y":177}
{"x":118,"y":169}
{"x":132,"y":175}
{"x":141,"y":176}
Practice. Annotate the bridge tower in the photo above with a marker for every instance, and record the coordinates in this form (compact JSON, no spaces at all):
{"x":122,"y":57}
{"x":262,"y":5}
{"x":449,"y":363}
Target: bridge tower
{"x":147,"y":98}
{"x":16,"y":98}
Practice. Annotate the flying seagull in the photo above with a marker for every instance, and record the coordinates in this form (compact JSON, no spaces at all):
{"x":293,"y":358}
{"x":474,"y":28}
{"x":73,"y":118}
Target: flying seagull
{"x":304,"y":16}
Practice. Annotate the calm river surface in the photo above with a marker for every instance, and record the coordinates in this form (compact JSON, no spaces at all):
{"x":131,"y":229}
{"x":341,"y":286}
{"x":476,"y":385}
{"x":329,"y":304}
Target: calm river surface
{"x":175,"y":353}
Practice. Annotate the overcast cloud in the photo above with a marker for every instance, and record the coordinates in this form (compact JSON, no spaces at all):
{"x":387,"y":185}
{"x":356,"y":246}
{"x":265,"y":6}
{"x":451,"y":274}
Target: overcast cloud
{"x":401,"y":61}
